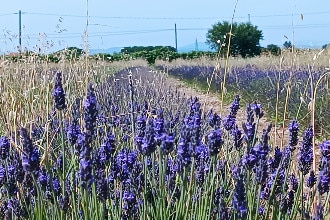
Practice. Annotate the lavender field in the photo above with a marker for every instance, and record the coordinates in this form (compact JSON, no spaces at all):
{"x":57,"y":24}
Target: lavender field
{"x":285,"y":92}
{"x":118,"y":141}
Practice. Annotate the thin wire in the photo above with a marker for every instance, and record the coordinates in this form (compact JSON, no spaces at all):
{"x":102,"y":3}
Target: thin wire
{"x":116,"y":33}
{"x":173,"y":18}
{"x":7,"y":14}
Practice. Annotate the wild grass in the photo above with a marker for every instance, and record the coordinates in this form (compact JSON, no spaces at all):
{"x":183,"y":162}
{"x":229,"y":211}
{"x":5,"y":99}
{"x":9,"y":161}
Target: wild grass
{"x":26,"y":86}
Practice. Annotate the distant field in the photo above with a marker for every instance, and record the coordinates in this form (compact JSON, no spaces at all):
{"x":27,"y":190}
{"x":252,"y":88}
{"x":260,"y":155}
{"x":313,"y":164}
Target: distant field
{"x":266,"y":79}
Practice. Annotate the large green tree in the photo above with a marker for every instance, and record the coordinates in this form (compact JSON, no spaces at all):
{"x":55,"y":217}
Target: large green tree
{"x":245,"y":39}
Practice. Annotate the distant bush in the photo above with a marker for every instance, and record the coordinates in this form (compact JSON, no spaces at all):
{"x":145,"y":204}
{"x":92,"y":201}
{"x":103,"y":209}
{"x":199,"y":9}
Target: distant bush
{"x":274,"y":49}
{"x":135,"y":49}
{"x":153,"y":55}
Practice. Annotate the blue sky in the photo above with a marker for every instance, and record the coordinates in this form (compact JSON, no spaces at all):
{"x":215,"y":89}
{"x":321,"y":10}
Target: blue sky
{"x":52,"y":25}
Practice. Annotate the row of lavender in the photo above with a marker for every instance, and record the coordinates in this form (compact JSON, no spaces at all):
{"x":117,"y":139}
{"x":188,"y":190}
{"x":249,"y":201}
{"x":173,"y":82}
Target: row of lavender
{"x":255,"y":83}
{"x":136,"y":149}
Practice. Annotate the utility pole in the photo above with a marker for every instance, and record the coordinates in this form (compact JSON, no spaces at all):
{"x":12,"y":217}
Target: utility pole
{"x":249,"y":18}
{"x":20,"y":30}
{"x":196,"y":45}
{"x":176,"y":38}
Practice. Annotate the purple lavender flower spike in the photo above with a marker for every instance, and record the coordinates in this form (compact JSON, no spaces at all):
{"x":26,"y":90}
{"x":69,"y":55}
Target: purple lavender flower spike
{"x":257,"y":110}
{"x":278,"y":185}
{"x":305,"y":155}
{"x":261,"y":211}
{"x":318,"y":215}
{"x":237,"y":137}
{"x":63,"y":202}
{"x":261,"y":151}
{"x":15,"y":169}
{"x":4,"y":147}
{"x":201,"y":155}
{"x":323,"y":185}
{"x":101,"y":184}
{"x":325,"y":150}
{"x":56,"y":186}
{"x":13,"y":208}
{"x":58,"y":92}
{"x":293,"y":129}
{"x":30,"y":155}
{"x":159,"y":123}
{"x":287,"y":202}
{"x":2,"y":176}
{"x":167,"y":144}
{"x":229,"y":121}
{"x":234,"y":107}
{"x":214,"y":141}
{"x":293,"y":182}
{"x":130,"y":206}
{"x":311,"y":180}
{"x":249,"y":127}
{"x":324,"y":174}
{"x":72,"y":133}
{"x":43,"y":179}
{"x":184,"y":152}
{"x":105,"y":151}
{"x":81,"y":148}
{"x":9,"y":176}
{"x":275,"y":161}
{"x":90,"y":112}
{"x":141,"y":123}
{"x":123,"y":166}
{"x":148,"y":145}
{"x":84,"y":175}
{"x":221,"y":211}
{"x":214,"y":119}
{"x":239,"y":197}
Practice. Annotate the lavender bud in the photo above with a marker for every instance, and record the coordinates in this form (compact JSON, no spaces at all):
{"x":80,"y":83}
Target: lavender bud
{"x":58,"y":92}
{"x":237,"y":136}
{"x":214,"y":141}
{"x":311,"y":180}
{"x":239,"y":196}
{"x":90,"y":112}
{"x":30,"y":155}
{"x":257,"y":110}
{"x":293,"y":129}
{"x":4,"y":147}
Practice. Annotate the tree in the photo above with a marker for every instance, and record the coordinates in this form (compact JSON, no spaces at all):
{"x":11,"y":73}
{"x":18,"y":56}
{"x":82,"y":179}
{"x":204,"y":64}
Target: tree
{"x":325,"y":46}
{"x":287,"y":45}
{"x":245,"y":39}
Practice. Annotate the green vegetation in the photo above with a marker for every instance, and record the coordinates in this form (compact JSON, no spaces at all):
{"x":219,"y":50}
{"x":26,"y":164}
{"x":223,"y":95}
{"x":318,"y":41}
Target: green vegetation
{"x":147,"y":48}
{"x":244,"y":41}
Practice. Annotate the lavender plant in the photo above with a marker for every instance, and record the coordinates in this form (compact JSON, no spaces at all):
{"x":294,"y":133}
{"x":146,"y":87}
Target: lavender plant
{"x":263,"y":83}
{"x":177,"y":163}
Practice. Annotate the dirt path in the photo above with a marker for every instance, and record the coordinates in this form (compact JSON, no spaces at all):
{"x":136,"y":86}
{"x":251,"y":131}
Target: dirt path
{"x":212,"y":101}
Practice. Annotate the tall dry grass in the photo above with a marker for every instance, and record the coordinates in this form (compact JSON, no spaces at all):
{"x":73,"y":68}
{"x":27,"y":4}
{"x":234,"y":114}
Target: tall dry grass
{"x":26,"y":86}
